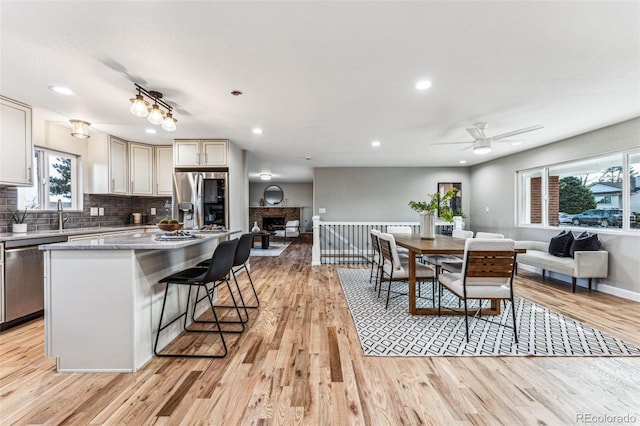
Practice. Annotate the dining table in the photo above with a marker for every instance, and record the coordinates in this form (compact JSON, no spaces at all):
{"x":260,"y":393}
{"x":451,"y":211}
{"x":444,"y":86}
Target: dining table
{"x":443,"y":245}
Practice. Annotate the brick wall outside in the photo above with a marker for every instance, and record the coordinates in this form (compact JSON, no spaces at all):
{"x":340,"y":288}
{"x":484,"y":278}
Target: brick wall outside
{"x":536,"y":200}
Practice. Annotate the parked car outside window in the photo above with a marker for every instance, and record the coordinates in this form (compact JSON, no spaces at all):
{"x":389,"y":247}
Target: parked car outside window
{"x":565,"y":218}
{"x":601,"y":217}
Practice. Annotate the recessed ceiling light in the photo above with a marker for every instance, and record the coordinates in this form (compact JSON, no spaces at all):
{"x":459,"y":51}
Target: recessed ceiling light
{"x":307,"y":158}
{"x":257,"y":131}
{"x":265,"y":176}
{"x":151,"y":131}
{"x":375,"y":144}
{"x":423,"y":85}
{"x":62,"y":90}
{"x":515,"y":143}
{"x":462,"y":161}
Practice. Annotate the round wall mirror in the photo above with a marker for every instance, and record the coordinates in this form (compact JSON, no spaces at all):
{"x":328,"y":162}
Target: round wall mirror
{"x":273,"y":194}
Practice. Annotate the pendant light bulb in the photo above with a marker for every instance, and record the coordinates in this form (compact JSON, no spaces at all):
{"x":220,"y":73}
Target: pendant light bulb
{"x":139,"y":107}
{"x":169,"y":123}
{"x":155,"y":115}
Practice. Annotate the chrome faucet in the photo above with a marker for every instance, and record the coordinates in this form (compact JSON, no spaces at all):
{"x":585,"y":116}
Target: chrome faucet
{"x":61,"y":220}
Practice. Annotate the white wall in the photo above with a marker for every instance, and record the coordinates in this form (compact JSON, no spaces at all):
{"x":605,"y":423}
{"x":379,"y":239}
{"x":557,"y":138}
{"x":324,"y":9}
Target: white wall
{"x":494,"y":187}
{"x":381,"y":193}
{"x":296,"y":194}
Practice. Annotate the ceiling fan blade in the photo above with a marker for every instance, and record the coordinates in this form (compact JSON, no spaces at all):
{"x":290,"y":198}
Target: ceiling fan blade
{"x":450,"y":143}
{"x":507,"y":141}
{"x":476,"y":133}
{"x":517,"y":132}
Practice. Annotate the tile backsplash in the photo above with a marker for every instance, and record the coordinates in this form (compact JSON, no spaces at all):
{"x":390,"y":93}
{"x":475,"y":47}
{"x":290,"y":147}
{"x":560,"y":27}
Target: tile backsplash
{"x":117,"y":211}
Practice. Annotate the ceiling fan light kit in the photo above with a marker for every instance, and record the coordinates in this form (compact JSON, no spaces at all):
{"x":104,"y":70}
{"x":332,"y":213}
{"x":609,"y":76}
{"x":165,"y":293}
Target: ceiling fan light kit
{"x":482,"y":146}
{"x":155,"y":115}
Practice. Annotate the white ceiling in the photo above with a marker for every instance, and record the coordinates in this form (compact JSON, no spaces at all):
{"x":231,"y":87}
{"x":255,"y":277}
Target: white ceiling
{"x":324,"y":79}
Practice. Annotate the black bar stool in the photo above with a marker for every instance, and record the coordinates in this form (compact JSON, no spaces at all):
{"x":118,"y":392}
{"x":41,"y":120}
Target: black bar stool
{"x":217,"y":273}
{"x":240,"y":262}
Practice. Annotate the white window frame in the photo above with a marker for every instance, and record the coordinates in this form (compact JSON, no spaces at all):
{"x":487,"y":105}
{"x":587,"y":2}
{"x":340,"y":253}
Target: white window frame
{"x":41,"y":167}
{"x":521,"y":201}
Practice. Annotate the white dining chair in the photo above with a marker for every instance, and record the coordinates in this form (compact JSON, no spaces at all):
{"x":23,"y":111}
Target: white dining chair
{"x":400,"y":229}
{"x":448,"y":262}
{"x":487,"y":273}
{"x":488,"y":235}
{"x":395,"y":269}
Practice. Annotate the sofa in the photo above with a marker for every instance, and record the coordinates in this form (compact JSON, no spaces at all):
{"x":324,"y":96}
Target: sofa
{"x":584,"y":264}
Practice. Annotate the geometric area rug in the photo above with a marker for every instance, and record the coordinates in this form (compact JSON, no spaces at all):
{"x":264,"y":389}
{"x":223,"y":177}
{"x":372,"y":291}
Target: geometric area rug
{"x":394,"y":332}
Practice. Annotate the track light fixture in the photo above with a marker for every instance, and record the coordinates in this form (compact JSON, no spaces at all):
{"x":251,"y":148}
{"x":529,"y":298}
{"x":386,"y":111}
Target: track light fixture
{"x":80,"y":129}
{"x":155,"y":115}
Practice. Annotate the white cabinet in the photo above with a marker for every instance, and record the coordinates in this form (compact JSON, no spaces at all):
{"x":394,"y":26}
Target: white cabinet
{"x":141,"y":169}
{"x":200,"y":152}
{"x":118,"y":166}
{"x":164,"y":170}
{"x":16,"y":146}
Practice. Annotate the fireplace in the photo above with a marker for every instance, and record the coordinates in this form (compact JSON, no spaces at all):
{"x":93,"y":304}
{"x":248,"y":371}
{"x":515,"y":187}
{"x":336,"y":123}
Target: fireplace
{"x":271,"y":223}
{"x":262,"y":215}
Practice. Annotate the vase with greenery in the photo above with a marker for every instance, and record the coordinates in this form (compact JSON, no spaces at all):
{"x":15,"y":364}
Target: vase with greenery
{"x":18,"y":218}
{"x":437,"y":204}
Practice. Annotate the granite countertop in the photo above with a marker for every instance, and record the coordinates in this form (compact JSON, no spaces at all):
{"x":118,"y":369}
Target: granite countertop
{"x":10,"y":236}
{"x":138,"y":241}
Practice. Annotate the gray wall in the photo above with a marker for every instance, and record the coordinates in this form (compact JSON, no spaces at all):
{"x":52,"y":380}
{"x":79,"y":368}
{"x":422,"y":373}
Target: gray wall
{"x":381,"y":193}
{"x":296,"y":194}
{"x":494,"y":187}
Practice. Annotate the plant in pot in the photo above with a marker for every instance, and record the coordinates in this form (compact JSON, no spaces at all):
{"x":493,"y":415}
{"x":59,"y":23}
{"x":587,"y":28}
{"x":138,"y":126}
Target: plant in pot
{"x":437,"y":204}
{"x":18,"y":220}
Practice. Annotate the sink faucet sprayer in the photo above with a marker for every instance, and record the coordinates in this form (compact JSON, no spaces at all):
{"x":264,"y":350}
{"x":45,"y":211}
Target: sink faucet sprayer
{"x":61,"y":220}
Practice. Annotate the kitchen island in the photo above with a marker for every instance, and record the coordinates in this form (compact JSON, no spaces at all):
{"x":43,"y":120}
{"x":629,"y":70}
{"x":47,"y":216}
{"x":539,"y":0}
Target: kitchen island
{"x":103,"y":299}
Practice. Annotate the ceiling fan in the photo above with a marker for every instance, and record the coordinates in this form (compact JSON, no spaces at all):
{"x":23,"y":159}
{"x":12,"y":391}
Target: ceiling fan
{"x":481,"y":143}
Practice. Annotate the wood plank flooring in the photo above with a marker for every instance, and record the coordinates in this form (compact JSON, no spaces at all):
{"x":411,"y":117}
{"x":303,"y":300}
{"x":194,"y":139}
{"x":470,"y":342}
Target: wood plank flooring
{"x":300,"y":362}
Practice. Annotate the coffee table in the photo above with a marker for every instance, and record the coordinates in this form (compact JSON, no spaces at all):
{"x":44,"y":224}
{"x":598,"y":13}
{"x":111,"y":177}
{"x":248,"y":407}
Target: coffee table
{"x":264,"y":236}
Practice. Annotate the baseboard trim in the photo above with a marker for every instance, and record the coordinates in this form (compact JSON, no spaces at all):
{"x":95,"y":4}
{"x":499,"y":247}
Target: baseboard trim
{"x":583,"y":282}
{"x":619,"y":292}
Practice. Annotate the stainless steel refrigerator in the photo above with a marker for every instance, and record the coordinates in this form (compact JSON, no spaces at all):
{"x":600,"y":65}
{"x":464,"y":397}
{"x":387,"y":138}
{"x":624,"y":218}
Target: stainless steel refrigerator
{"x":201,"y":199}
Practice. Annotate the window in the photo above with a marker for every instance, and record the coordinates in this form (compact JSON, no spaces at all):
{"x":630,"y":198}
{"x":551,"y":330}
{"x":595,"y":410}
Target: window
{"x":530,"y":208}
{"x":577,"y":187}
{"x":55,"y":178}
{"x":589,"y":193}
{"x":634,"y":189}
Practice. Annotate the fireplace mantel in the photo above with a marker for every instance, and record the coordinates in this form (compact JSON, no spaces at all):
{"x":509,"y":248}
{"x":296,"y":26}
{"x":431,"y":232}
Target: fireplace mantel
{"x":256,"y":213}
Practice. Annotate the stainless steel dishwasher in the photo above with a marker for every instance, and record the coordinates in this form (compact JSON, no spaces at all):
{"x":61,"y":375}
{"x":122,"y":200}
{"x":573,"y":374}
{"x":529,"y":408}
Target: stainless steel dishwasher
{"x":24,"y":278}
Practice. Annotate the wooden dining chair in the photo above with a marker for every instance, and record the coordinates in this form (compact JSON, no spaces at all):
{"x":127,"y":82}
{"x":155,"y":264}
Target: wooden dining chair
{"x":395,"y":269}
{"x":376,"y":258}
{"x":487,"y":273}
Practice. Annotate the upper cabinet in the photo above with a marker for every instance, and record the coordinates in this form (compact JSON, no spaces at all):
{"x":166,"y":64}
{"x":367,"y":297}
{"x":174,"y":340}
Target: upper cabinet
{"x":141,"y":169}
{"x":118,"y":166}
{"x":164,"y":170}
{"x":200,"y":152}
{"x":16,"y":146}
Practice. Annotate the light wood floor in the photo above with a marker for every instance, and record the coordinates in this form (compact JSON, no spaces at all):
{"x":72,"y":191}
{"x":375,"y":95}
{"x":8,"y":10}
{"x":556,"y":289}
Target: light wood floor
{"x":300,"y":362}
